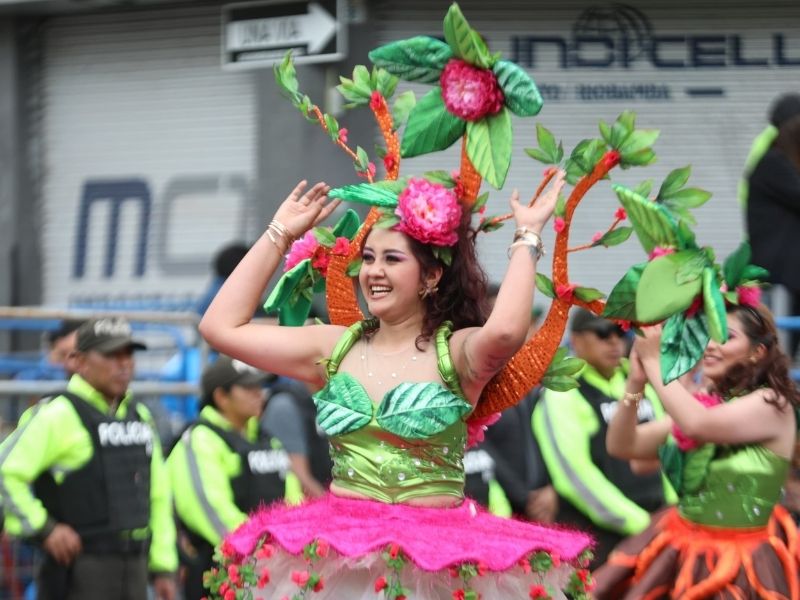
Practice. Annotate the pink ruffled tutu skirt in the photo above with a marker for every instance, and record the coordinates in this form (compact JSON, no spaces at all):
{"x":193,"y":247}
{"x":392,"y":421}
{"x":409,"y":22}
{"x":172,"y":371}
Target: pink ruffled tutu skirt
{"x":347,"y":549}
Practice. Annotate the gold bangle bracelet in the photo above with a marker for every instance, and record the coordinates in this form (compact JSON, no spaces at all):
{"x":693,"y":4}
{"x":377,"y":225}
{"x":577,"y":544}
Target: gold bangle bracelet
{"x":632,"y":398}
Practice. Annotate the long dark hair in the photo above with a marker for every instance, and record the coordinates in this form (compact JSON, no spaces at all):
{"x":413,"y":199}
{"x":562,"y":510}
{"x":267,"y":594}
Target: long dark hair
{"x":461,"y":296}
{"x":771,"y":371}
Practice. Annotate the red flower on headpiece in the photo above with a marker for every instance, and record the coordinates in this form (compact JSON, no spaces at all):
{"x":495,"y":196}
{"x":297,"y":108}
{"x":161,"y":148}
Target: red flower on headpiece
{"x":470,"y":92}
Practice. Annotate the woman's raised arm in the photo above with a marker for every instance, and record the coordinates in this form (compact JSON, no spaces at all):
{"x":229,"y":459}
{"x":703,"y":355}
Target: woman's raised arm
{"x":226,"y":326}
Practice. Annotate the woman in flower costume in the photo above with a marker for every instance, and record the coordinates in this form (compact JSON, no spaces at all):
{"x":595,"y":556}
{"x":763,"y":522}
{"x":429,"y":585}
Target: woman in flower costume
{"x":395,"y":392}
{"x":727,"y":452}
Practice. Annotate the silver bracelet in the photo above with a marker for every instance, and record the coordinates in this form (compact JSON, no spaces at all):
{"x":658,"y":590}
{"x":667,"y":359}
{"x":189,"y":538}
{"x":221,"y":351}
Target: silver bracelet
{"x":530,"y":239}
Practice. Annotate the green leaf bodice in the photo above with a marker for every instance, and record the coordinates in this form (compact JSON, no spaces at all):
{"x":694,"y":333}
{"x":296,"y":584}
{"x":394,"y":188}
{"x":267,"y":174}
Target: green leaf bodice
{"x":408,"y":445}
{"x":726,"y":486}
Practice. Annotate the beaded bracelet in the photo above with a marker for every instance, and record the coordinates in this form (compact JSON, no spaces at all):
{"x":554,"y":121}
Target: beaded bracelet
{"x":632,"y":398}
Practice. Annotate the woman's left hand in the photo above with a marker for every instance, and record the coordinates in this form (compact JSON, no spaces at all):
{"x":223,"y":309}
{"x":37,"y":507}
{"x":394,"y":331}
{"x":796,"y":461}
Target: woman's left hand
{"x":534,"y":217}
{"x":649,"y":345}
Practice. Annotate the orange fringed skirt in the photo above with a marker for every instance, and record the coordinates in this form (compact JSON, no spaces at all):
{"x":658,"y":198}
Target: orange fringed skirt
{"x":677,"y":559}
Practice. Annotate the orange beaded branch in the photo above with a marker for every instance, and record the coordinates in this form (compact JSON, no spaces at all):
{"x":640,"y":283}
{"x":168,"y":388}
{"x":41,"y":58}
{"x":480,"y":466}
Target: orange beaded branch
{"x":468,"y":176}
{"x":384,"y":118}
{"x":529,"y":365}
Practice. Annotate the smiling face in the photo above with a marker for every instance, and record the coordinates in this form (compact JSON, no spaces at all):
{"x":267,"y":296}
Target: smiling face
{"x":719,"y":358}
{"x":390,"y":275}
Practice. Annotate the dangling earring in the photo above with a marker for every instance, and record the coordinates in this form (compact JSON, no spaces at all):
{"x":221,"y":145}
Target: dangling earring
{"x":428,"y":290}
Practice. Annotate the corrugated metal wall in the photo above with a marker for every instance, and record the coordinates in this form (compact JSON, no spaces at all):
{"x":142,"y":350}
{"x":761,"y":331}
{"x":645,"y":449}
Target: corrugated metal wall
{"x":711,"y":133}
{"x":140,"y":97}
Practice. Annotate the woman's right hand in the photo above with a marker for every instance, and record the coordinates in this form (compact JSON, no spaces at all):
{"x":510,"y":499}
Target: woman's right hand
{"x":636,"y":375}
{"x":302,"y":211}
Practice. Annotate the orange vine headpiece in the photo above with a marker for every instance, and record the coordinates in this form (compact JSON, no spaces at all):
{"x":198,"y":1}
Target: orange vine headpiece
{"x":473,"y":97}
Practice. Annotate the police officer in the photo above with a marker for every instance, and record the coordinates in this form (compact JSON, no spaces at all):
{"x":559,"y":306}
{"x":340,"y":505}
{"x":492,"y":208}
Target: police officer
{"x":223,"y":465}
{"x":83,"y":475}
{"x":598,"y":493}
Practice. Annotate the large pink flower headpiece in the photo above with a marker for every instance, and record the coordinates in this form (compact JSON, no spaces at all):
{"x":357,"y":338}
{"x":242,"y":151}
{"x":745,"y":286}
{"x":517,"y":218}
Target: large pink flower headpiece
{"x":429,"y":212}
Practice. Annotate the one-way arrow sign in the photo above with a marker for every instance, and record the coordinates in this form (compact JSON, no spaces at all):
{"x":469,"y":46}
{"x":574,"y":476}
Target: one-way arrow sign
{"x":259,"y":34}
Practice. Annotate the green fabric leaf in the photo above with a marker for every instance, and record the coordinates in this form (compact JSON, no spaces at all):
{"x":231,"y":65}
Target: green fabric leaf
{"x":385,"y":82}
{"x":692,"y":269}
{"x":644,"y":188}
{"x":286,"y":78}
{"x":348,"y":225}
{"x":540,"y":155}
{"x":754,"y":273}
{"x":402,"y":107}
{"x":465,"y":41}
{"x":547,"y":142}
{"x":489,"y":145}
{"x":652,"y":223}
{"x":480,"y":202}
{"x":659,"y":295}
{"x":395,"y":186}
{"x":286,"y":285}
{"x":430,"y":126}
{"x":354,"y":267}
{"x":420,"y":58}
{"x":683,"y":342}
{"x":642,"y":158}
{"x":545,"y":285}
{"x":420,"y":410}
{"x":674,"y":181}
{"x":695,"y":467}
{"x":687,"y":198}
{"x":672,"y":460}
{"x":440,"y":177}
{"x":559,"y":383}
{"x":343,"y":406}
{"x":588,"y":294}
{"x":365,"y":193}
{"x":324,"y":236}
{"x":714,"y":306}
{"x":734,"y":265}
{"x":639,"y":140}
{"x":522,"y":95}
{"x":621,"y":303}
{"x":615,"y":236}
{"x":566,"y":365}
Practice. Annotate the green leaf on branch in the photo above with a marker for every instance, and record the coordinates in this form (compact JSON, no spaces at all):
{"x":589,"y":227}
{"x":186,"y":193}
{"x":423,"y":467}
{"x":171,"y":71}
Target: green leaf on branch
{"x":659,"y":295}
{"x":587,"y":294}
{"x":490,"y":224}
{"x":621,"y":303}
{"x":420,"y":58}
{"x":324,"y":236}
{"x":642,"y":158}
{"x":562,"y":364}
{"x":545,"y":285}
{"x":440,"y":177}
{"x":683,"y":342}
{"x":583,"y":159}
{"x":480,"y":202}
{"x":464,"y":41}
{"x":373,"y":194}
{"x":333,"y":126}
{"x":430,"y":126}
{"x":674,"y":181}
{"x":653,"y":224}
{"x":489,"y":145}
{"x":755,"y":273}
{"x":615,"y":237}
{"x":561,"y":206}
{"x":639,"y":140}
{"x":362,"y":159}
{"x":385,"y":82}
{"x":644,"y":188}
{"x":522,"y":97}
{"x":547,"y":144}
{"x":540,"y":155}
{"x":402,"y":107}
{"x":387,"y":220}
{"x":714,"y":306}
{"x":286,"y":78}
{"x":692,"y":269}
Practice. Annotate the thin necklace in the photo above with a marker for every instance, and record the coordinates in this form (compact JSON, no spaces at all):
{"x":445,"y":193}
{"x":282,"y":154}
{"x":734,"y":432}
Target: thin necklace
{"x":395,"y":373}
